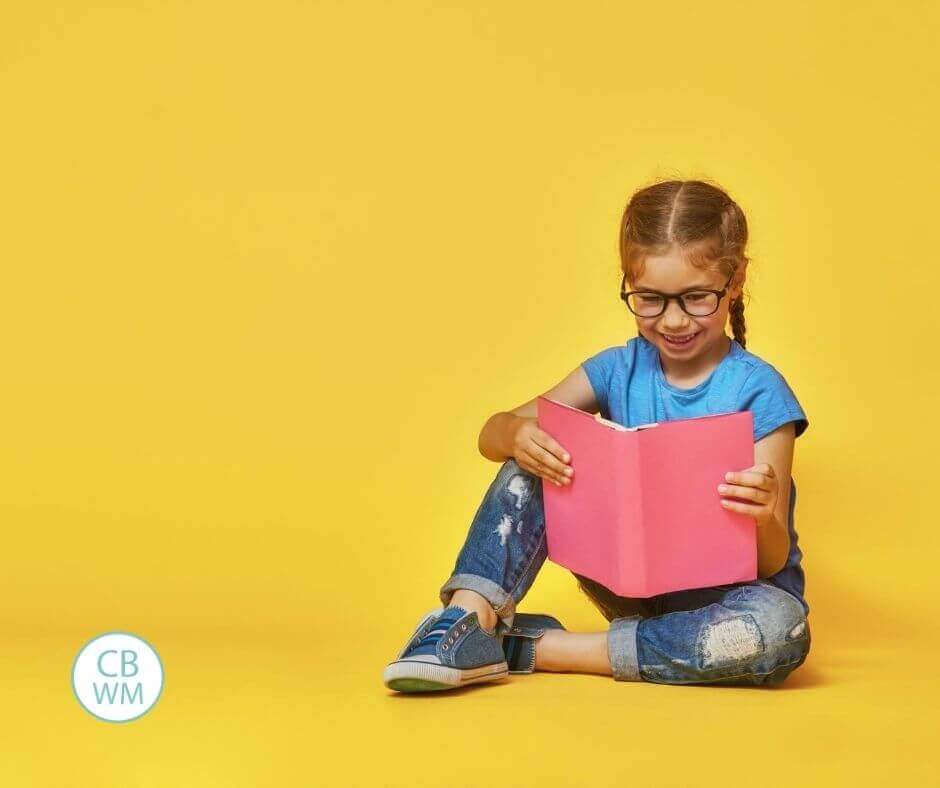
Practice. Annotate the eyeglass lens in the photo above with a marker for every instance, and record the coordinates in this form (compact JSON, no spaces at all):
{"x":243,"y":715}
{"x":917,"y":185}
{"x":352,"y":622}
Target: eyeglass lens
{"x":651,"y":304}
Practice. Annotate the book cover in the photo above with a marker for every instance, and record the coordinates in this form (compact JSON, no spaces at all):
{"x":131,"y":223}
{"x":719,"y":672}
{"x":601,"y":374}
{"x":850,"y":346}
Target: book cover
{"x":642,"y":514}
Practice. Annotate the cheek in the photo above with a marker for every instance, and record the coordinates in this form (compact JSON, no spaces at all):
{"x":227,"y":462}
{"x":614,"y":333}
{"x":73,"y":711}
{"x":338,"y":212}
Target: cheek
{"x":715,"y":322}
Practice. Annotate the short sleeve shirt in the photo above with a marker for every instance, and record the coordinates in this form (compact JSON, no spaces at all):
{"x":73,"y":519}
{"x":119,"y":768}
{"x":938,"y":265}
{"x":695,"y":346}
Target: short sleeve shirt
{"x":631,"y":389}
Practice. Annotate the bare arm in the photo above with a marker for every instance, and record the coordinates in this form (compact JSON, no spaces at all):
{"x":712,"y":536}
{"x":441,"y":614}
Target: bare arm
{"x":496,"y":437}
{"x":773,"y":538}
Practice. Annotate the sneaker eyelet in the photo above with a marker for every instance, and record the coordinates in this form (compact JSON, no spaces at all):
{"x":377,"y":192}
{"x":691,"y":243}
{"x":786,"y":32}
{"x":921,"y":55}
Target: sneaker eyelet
{"x":445,"y":647}
{"x":463,"y":626}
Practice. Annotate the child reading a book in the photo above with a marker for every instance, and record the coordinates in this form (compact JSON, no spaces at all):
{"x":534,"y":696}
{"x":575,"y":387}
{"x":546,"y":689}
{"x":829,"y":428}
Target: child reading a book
{"x":682,"y":248}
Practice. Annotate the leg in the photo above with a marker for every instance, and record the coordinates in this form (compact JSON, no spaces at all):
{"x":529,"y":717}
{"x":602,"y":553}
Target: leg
{"x":505,"y":546}
{"x":748,"y":633}
{"x":586,"y":652}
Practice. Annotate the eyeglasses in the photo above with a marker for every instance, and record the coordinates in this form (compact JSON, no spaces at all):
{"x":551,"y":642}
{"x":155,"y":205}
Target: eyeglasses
{"x":651,"y":303}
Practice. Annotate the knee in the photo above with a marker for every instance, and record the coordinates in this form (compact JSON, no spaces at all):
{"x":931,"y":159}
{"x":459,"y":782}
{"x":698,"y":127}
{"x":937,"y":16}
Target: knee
{"x":516,"y":486}
{"x":766,"y":637}
{"x":784,"y":627}
{"x":512,"y":468}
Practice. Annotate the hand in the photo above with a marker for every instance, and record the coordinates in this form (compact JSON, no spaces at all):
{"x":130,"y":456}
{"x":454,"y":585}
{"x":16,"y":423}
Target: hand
{"x":757,"y":485}
{"x":539,"y":453}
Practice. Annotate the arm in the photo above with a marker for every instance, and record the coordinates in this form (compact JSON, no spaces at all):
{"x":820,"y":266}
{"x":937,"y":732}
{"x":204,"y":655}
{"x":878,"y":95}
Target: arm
{"x":767,"y":486}
{"x":495,"y":442}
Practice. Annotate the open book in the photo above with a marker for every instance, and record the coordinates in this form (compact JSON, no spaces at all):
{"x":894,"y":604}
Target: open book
{"x":642,"y":514}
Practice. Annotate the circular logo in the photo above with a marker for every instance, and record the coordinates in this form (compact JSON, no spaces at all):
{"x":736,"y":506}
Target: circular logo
{"x":117,"y":677}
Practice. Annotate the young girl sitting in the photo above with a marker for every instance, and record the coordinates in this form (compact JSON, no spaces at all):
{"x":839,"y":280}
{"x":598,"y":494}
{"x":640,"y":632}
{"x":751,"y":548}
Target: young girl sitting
{"x":682,"y":248}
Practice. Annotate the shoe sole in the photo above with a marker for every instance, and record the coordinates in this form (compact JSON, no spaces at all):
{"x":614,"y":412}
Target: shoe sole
{"x":412,"y":676}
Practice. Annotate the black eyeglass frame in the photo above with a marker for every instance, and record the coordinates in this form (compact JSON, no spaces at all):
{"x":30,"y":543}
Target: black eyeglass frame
{"x":667,"y":297}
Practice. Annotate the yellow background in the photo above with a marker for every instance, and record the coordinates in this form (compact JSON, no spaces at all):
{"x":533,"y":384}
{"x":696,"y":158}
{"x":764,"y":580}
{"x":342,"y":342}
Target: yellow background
{"x":268,"y":268}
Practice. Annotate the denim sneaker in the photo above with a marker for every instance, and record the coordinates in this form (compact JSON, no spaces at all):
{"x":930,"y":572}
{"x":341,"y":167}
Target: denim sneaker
{"x":519,"y":640}
{"x":450,"y":648}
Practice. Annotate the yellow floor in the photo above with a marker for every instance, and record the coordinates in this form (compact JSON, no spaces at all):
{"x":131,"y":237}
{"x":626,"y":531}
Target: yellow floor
{"x":281,"y":709}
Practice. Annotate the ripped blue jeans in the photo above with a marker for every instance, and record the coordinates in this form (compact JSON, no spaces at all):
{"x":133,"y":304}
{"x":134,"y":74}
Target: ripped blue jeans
{"x":741,"y":633}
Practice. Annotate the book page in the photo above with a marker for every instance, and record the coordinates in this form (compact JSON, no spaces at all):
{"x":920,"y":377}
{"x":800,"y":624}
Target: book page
{"x":614,"y":425}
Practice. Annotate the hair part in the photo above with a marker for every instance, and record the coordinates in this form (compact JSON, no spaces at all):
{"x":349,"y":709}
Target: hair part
{"x":699,"y":218}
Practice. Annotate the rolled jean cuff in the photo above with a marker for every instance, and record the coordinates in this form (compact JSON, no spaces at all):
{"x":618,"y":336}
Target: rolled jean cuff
{"x":621,"y":648}
{"x":502,"y":602}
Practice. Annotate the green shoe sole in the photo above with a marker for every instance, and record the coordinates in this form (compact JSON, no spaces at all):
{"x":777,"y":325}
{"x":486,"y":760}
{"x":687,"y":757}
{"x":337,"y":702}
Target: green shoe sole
{"x":417,"y":685}
{"x":412,"y":676}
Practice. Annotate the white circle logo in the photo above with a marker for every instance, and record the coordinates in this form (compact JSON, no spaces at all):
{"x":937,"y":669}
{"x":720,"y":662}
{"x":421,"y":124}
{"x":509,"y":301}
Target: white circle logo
{"x":117,"y":677}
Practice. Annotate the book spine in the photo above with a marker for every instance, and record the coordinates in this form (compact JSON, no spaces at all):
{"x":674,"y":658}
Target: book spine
{"x":631,"y":558}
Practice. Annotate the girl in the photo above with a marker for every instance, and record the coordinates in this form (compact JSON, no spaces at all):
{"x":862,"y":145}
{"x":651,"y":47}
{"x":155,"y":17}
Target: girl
{"x":682,"y":249}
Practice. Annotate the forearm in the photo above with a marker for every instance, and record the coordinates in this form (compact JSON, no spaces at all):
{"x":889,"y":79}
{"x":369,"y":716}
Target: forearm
{"x":495,"y":441}
{"x":773,"y":547}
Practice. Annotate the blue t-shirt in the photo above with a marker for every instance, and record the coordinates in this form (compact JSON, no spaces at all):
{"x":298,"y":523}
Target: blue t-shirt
{"x":631,"y":389}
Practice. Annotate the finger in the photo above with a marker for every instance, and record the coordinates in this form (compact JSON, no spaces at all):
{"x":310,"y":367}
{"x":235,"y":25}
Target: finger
{"x":744,"y":508}
{"x":550,"y":460}
{"x":749,"y":493}
{"x":527,"y":463}
{"x":554,"y":447}
{"x":542,"y":470}
{"x":751,"y":479}
{"x":557,"y":456}
{"x":765,"y":468}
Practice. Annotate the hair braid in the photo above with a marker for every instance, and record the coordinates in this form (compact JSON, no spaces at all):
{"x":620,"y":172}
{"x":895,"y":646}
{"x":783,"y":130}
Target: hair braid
{"x":736,"y":310}
{"x":734,"y":236}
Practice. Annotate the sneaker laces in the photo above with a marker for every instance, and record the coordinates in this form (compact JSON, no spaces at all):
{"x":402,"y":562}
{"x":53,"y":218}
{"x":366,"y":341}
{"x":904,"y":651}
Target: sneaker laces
{"x":444,"y":622}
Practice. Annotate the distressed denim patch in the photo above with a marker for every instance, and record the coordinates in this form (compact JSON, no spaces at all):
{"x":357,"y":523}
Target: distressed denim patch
{"x":730,"y":641}
{"x":519,"y":491}
{"x":520,"y":487}
{"x":797,"y":632}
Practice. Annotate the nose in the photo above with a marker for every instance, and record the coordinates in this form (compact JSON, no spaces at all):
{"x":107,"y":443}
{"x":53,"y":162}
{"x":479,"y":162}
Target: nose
{"x":674,"y":318}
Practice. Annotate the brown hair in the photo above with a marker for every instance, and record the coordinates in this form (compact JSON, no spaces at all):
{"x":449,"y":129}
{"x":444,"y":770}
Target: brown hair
{"x":708,"y":226}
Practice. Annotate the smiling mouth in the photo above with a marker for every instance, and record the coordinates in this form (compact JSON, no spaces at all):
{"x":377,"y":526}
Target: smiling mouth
{"x":680,"y":340}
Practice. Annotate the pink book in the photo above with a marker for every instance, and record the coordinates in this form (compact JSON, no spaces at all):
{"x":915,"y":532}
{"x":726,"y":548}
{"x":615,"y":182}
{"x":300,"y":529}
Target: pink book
{"x":642,"y":514}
